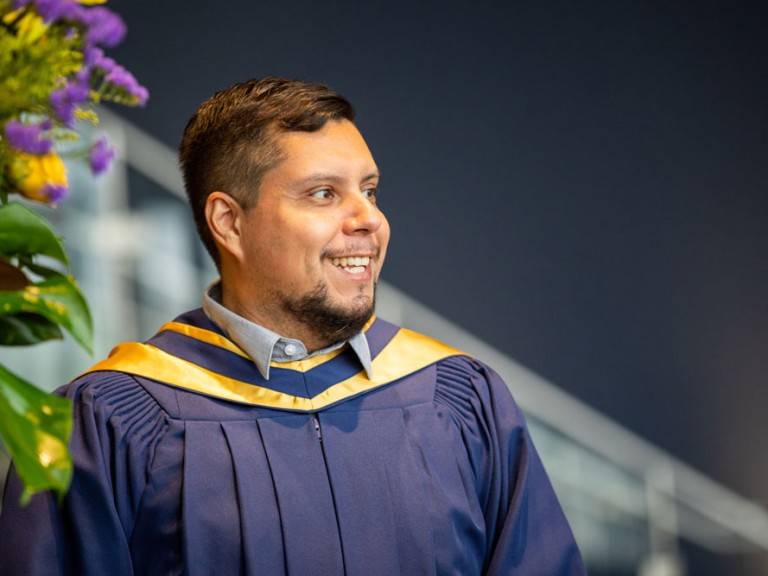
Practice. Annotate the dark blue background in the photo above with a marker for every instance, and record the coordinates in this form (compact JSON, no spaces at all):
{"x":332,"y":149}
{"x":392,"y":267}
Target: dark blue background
{"x":582,"y":184}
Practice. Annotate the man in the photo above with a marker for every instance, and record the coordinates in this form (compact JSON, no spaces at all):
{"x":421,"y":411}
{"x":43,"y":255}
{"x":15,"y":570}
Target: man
{"x":282,"y":428}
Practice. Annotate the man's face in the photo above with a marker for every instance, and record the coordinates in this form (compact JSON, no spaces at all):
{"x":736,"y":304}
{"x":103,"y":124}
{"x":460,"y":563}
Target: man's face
{"x":314,"y":242}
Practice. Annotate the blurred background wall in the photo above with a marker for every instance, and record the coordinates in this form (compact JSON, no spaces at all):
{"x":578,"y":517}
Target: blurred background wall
{"x":580,"y":185}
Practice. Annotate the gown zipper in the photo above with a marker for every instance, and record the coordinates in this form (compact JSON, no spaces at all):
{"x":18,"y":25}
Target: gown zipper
{"x":316,"y":422}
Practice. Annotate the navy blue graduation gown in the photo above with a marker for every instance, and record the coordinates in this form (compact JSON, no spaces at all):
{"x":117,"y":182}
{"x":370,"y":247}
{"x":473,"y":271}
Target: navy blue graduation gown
{"x":427,"y":469}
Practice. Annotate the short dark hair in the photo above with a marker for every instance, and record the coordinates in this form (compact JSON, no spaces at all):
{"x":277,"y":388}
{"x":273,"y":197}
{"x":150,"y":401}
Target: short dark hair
{"x":231,"y":140}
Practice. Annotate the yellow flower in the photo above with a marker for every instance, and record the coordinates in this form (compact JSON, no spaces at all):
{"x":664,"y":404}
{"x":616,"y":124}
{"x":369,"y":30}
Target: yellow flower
{"x":30,"y":28}
{"x":40,"y":178}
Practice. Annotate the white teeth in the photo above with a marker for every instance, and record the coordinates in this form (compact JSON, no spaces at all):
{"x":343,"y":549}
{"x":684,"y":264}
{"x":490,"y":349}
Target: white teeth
{"x":359,"y":262}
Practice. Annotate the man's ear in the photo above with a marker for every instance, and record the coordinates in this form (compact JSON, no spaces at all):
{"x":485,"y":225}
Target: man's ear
{"x":225,"y":218}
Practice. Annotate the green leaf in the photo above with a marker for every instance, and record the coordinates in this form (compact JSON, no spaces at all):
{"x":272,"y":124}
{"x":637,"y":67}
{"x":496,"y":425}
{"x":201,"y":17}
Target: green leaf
{"x":23,"y":232}
{"x":25,"y":329}
{"x":42,"y":271}
{"x":57,"y":299}
{"x":35,"y":427}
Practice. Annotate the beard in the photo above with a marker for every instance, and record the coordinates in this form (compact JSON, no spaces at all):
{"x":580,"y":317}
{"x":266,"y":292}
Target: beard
{"x":331,"y":323}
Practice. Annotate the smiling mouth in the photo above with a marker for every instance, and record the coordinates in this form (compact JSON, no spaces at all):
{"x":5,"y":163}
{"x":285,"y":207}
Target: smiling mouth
{"x":352,"y":264}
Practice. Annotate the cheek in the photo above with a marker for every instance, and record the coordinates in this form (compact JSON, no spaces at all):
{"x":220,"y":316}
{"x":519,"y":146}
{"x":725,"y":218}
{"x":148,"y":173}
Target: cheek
{"x":316,"y":238}
{"x":383,"y":235}
{"x":274,"y":237}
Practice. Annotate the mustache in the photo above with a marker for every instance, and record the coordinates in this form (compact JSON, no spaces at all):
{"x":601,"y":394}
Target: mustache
{"x":367,"y":249}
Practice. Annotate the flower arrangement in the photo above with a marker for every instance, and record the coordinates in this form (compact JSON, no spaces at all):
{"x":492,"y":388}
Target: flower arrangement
{"x":53,"y":70}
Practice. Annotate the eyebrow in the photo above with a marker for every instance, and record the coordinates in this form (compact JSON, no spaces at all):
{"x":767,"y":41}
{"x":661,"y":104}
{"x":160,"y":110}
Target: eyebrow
{"x":336,"y":178}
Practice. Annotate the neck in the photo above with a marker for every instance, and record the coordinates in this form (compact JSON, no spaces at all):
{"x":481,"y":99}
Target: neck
{"x":281,"y":323}
{"x":312,"y":318}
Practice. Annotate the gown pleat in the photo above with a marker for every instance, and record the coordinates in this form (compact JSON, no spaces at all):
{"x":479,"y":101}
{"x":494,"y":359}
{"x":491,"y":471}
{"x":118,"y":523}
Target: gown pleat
{"x":263,"y":550}
{"x":373,"y":495}
{"x":209,"y":503}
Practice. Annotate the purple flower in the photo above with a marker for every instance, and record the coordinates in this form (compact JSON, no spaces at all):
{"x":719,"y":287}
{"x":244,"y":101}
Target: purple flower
{"x":83,"y":77}
{"x":94,"y":56}
{"x":114,"y":74}
{"x":55,"y":193}
{"x":121,"y":78}
{"x":50,"y":10}
{"x":64,"y":100}
{"x":101,"y":156}
{"x":28,"y":137}
{"x":105,"y":28}
{"x":141,"y":94}
{"x":91,"y":55}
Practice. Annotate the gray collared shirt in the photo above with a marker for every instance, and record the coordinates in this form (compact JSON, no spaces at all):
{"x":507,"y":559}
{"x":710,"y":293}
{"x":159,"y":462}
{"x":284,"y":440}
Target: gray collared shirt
{"x":263,"y":345}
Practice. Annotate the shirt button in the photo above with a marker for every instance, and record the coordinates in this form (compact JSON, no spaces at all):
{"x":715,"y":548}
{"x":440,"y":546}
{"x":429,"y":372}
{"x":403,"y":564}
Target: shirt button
{"x":290,"y":349}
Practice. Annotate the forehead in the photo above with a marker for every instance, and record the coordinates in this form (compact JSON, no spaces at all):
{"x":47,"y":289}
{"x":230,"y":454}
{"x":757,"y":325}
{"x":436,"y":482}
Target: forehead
{"x":338,"y":142}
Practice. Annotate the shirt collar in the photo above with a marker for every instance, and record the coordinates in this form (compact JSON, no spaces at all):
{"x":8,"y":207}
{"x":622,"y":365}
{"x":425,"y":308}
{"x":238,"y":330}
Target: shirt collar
{"x":265,"y":346}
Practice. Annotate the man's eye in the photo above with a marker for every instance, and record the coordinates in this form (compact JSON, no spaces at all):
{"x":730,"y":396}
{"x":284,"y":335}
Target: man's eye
{"x":370,"y":193}
{"x":323,"y":194}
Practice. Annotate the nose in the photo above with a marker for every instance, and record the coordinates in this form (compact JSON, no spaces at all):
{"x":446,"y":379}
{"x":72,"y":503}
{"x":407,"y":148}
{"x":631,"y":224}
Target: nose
{"x":362,"y":216}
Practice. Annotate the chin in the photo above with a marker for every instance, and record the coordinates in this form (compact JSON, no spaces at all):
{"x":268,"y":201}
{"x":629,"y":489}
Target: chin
{"x":332,"y":321}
